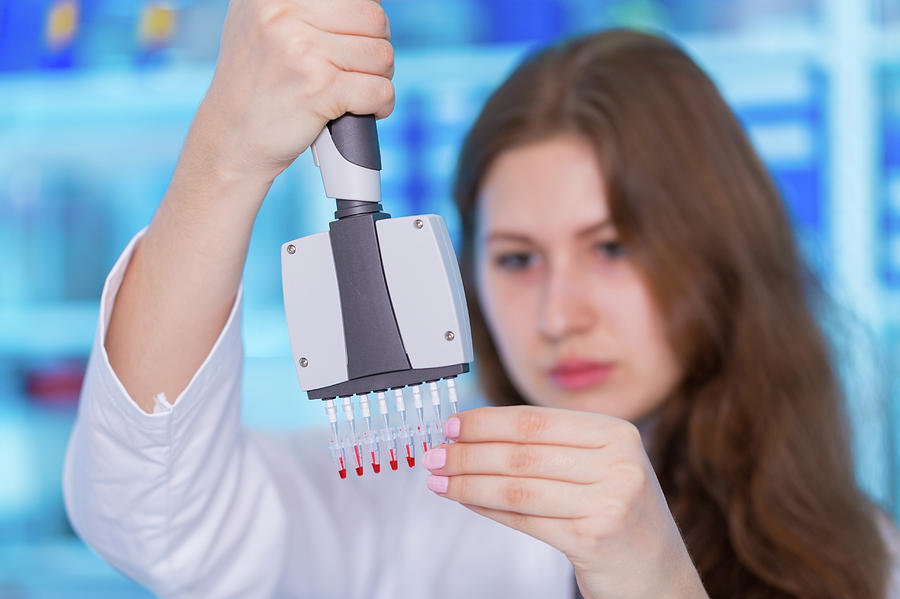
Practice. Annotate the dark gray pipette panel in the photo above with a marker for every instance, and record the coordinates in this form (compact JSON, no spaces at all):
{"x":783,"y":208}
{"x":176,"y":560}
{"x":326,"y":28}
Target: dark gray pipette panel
{"x":373,"y":340}
{"x":356,"y":138}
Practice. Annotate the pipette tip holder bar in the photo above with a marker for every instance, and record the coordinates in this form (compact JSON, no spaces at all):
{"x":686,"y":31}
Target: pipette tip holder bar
{"x":352,"y":445}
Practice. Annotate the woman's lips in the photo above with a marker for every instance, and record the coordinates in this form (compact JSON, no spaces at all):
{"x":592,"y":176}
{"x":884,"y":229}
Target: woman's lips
{"x":572,"y":376}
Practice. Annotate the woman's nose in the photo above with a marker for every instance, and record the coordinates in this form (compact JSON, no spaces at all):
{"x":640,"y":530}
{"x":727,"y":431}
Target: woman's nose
{"x":566,"y":307}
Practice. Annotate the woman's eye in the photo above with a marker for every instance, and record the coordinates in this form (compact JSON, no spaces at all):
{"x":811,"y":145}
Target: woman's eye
{"x":611,"y":249}
{"x":515,"y":261}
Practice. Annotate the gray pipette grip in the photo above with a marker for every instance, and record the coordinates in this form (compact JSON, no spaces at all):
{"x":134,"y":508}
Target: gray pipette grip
{"x":348,"y":155}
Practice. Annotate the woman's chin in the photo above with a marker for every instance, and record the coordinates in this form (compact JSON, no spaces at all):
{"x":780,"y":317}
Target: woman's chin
{"x":599,"y":398}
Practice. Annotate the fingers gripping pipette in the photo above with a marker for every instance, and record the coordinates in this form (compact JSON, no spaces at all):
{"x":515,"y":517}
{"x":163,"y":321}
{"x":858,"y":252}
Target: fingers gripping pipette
{"x":374,"y":304}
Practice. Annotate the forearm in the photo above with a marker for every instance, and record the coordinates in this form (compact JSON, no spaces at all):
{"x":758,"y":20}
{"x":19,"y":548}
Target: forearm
{"x":181,"y":501}
{"x":183,"y":277}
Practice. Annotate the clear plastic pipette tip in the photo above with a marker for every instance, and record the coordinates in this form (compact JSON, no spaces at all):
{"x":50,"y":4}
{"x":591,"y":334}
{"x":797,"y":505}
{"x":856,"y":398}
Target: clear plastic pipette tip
{"x":388,"y":435}
{"x":404,"y":429}
{"x":437,"y":435}
{"x":435,"y":400}
{"x":352,"y":442}
{"x":369,"y":438}
{"x":390,"y":439}
{"x":421,"y":433}
{"x":334,"y":444}
{"x":452,"y":396}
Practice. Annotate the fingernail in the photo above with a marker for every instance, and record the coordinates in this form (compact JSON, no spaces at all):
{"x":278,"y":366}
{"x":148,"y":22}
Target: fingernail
{"x":451,"y":428}
{"x":435,"y":458}
{"x":438,"y":484}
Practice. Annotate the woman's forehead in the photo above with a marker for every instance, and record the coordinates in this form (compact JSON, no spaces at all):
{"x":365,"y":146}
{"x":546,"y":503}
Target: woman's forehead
{"x":552,"y":187}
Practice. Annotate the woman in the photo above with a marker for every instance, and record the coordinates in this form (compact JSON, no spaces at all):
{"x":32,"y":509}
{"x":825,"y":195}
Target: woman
{"x":689,"y":298}
{"x":628,"y":263}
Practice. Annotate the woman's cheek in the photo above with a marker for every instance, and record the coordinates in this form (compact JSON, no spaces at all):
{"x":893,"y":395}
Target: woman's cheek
{"x":508,"y":305}
{"x":511,"y":316}
{"x":639,"y":329}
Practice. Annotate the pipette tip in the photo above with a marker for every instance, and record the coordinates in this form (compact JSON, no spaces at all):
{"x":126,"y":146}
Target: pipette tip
{"x":393,"y":439}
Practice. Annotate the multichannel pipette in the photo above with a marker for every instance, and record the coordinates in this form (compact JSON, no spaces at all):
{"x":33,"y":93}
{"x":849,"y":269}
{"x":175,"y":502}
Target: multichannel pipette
{"x":374,"y":305}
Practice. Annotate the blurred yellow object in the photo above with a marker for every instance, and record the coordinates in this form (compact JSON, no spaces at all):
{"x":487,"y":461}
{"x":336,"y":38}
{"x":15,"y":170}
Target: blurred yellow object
{"x":157,"y":24}
{"x":62,"y":23}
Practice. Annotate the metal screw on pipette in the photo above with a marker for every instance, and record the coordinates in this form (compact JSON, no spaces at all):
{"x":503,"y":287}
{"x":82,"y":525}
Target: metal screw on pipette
{"x":304,"y":362}
{"x":291,"y":249}
{"x":449,"y":336}
{"x":419,"y":223}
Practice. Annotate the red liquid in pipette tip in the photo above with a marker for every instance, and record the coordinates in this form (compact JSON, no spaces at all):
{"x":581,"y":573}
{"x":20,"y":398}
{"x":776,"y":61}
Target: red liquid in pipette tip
{"x":342,"y":471}
{"x":409,"y":459}
{"x":393,"y":460}
{"x":375,"y":465}
{"x":359,"y":466}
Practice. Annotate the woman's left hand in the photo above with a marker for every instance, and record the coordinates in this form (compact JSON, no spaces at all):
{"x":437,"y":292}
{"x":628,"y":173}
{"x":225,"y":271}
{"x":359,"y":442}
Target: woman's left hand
{"x":579,"y":481}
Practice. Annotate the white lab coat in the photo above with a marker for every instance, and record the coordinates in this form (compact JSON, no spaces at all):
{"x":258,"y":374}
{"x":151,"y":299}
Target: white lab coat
{"x":191,"y":504}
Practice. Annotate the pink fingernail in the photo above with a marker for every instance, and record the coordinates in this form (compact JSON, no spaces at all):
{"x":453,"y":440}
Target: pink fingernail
{"x":438,"y":484}
{"x":435,"y":458}
{"x":451,"y":428}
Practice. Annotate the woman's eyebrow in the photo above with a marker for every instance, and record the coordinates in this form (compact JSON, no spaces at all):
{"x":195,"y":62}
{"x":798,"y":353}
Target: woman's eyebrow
{"x":507,"y":236}
{"x":595,"y":228}
{"x":523,"y":238}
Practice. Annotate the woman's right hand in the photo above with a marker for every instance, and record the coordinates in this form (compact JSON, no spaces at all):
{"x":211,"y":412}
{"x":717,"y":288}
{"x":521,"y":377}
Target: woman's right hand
{"x":287,"y":67}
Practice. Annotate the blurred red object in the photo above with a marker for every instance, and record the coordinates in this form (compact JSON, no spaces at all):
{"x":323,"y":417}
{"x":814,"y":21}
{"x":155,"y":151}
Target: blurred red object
{"x":59,"y":384}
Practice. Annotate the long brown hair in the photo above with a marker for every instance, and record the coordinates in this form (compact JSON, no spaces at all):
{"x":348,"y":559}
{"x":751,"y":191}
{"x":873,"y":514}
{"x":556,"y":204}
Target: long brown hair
{"x":753,"y":448}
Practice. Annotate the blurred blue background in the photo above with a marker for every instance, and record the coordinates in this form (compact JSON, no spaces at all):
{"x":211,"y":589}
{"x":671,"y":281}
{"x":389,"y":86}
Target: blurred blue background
{"x":96,"y":97}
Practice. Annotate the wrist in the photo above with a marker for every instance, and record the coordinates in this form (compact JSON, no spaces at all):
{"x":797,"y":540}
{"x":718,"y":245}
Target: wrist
{"x":208,"y":197}
{"x":223,"y":152}
{"x":672,"y":578}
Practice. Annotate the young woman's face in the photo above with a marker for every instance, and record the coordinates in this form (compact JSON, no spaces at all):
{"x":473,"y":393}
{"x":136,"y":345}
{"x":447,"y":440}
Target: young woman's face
{"x":571,"y":316}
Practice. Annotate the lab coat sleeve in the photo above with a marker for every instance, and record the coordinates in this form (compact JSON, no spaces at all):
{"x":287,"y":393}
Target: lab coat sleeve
{"x":180,"y":500}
